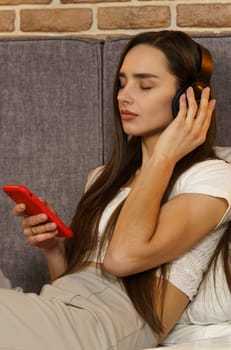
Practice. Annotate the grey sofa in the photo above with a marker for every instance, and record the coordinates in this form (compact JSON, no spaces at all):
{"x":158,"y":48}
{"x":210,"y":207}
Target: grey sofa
{"x":56,"y":124}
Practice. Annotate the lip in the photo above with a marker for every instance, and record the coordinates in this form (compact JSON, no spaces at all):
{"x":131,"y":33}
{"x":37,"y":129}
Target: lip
{"x":127,"y":115}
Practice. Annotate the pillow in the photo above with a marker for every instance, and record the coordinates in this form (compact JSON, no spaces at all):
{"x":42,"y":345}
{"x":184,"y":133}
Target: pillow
{"x":223,"y":152}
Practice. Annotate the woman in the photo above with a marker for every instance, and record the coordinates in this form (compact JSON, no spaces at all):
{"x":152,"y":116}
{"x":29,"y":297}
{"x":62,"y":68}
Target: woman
{"x":164,"y":196}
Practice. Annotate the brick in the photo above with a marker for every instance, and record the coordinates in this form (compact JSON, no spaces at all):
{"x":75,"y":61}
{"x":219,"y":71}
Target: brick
{"x":56,"y":20}
{"x":206,"y":15}
{"x":7,"y":19}
{"x":20,"y":2}
{"x":133,"y":17}
{"x":89,"y":1}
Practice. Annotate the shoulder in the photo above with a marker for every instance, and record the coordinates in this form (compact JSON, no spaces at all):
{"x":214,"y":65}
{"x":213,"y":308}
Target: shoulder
{"x":206,"y":174}
{"x":212,"y":168}
{"x":210,"y":177}
{"x":93,"y":175}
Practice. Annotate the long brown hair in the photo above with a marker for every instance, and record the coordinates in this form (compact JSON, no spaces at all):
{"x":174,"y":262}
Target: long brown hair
{"x":183,"y":62}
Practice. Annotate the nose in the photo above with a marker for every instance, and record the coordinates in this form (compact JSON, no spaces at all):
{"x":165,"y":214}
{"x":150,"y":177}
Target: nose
{"x":124,"y":96}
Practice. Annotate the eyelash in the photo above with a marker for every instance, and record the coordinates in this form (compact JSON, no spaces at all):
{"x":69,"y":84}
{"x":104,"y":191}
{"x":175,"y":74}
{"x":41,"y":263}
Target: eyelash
{"x":146,"y":88}
{"x":120,"y":86}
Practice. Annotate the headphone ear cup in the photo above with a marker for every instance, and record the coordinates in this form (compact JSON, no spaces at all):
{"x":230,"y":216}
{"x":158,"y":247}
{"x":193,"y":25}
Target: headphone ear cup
{"x":197,"y":88}
{"x":202,"y":80}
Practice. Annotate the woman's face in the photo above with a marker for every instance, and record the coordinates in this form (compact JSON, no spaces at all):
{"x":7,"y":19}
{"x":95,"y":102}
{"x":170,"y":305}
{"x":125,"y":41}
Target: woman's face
{"x":146,"y":91}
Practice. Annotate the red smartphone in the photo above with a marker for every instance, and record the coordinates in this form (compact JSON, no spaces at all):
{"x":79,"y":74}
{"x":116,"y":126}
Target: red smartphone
{"x":21,"y":194}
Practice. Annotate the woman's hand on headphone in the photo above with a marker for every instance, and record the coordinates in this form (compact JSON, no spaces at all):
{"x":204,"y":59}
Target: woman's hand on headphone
{"x":189,"y":129}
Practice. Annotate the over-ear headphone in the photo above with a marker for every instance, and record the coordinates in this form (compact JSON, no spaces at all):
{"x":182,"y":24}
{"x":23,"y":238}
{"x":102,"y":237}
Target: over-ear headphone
{"x":202,"y":79}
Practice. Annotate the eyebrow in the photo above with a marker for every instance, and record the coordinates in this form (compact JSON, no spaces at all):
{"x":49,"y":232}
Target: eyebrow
{"x":139,"y":75}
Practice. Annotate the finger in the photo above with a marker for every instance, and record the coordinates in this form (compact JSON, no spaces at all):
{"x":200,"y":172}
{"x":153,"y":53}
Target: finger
{"x":210,"y":110}
{"x":42,"y":199}
{"x":192,"y":105}
{"x":182,"y":107}
{"x":19,"y":210}
{"x":40,"y":229}
{"x":47,"y":204}
{"x":203,"y":106}
{"x":203,"y":121}
{"x":38,"y":239}
{"x":211,"y":106}
{"x":34,"y":220}
{"x":206,"y":109}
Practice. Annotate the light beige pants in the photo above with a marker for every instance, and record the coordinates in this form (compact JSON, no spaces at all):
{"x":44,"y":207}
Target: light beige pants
{"x":79,"y":311}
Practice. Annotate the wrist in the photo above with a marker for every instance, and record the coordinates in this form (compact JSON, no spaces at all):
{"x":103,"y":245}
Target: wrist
{"x":56,"y":261}
{"x":56,"y":249}
{"x":162,"y":162}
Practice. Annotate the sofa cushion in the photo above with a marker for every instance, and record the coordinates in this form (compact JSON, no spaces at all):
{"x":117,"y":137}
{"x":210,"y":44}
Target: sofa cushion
{"x":51,"y":135}
{"x":219,"y":46}
{"x":224,"y":153}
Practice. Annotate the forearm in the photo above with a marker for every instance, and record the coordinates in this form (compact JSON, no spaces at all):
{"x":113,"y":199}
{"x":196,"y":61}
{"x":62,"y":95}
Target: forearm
{"x":177,"y":227}
{"x":139,"y":216}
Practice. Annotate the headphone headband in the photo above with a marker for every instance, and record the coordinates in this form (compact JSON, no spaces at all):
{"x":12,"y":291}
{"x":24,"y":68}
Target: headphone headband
{"x":206,"y":65}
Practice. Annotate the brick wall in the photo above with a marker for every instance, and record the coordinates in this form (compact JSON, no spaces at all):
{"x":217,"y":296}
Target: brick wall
{"x":108,"y":17}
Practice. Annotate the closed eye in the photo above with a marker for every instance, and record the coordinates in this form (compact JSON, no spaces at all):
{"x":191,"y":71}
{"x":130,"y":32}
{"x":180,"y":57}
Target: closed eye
{"x":121,"y":83}
{"x":146,"y":87}
{"x":120,"y":86}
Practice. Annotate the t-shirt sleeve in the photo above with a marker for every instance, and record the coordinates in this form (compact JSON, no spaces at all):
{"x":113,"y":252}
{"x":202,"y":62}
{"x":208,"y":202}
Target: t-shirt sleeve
{"x":213,"y":178}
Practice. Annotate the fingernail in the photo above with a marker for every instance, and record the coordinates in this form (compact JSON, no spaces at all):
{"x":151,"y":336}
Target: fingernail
{"x":43,"y":217}
{"x":214,"y":102}
{"x":52,"y":226}
{"x":183,"y":96}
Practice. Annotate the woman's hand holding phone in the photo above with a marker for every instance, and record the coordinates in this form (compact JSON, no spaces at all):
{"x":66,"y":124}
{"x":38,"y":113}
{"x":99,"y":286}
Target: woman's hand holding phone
{"x":40,"y":223}
{"x":37,"y":230}
{"x":45,"y":235}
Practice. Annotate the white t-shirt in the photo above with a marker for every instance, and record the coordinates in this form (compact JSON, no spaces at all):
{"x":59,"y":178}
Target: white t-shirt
{"x":211,"y":177}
